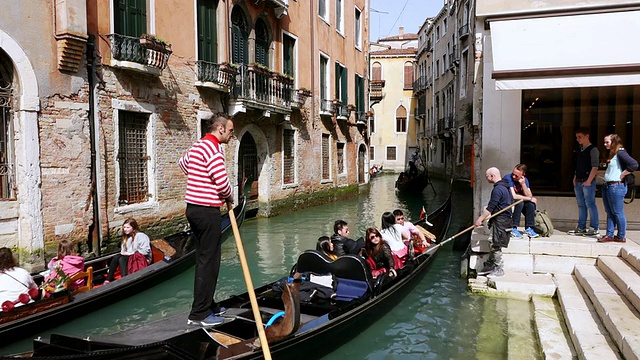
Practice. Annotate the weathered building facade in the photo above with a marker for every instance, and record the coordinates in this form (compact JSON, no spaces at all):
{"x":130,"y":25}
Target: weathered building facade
{"x":101,"y":98}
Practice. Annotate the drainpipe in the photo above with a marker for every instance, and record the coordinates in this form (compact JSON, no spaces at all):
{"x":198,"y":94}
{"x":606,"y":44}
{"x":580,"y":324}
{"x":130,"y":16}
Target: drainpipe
{"x":95,"y":230}
{"x":312,"y":20}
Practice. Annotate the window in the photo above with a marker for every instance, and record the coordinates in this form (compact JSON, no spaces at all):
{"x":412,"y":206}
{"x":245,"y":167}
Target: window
{"x":324,"y":77}
{"x":408,"y":75}
{"x":340,"y":155}
{"x":444,"y":64}
{"x":262,"y":43}
{"x":442,"y":157}
{"x":463,"y":73}
{"x":207,"y":31}
{"x":133,"y":157}
{"x":288,"y":156}
{"x":376,"y":71}
{"x":341,"y":83}
{"x":289,"y":55}
{"x":323,"y":10}
{"x":239,"y":37}
{"x":7,"y":166}
{"x":358,"y":30}
{"x":359,"y":93}
{"x":460,"y":141}
{"x":437,"y":68}
{"x":372,"y":153}
{"x":339,"y":16}
{"x":130,"y":17}
{"x":444,"y":26}
{"x":372,"y":124}
{"x":401,"y":119}
{"x":437,"y":32}
{"x":391,"y":153}
{"x":326,"y":171}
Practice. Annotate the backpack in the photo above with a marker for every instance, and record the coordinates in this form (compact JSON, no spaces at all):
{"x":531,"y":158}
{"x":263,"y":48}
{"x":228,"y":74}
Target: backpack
{"x":543,"y":225}
{"x":630,"y":180}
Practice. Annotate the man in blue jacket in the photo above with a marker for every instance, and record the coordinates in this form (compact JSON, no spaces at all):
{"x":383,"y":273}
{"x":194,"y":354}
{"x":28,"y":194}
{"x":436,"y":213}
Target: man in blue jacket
{"x":501,"y":224}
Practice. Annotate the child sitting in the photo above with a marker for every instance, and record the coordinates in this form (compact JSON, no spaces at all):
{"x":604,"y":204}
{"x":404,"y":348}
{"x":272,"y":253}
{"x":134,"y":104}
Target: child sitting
{"x":67,"y":261}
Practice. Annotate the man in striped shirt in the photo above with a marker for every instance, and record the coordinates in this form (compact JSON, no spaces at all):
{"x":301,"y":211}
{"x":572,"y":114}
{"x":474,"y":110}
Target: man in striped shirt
{"x":208,"y":188}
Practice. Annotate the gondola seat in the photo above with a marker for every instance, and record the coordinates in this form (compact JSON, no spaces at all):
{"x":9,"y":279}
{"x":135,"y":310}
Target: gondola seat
{"x":353,"y":273}
{"x":88,"y":284}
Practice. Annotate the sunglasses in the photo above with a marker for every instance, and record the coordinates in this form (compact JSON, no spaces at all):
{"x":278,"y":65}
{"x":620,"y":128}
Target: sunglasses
{"x":373,"y":237}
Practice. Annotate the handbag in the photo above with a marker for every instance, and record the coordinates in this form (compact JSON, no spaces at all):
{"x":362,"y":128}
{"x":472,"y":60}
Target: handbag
{"x":630,"y":181}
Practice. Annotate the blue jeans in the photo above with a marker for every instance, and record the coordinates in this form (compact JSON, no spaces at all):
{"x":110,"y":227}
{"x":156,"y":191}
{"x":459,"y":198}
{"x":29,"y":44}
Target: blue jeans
{"x":613,"y":199}
{"x":586,"y":197}
{"x":527,"y":208}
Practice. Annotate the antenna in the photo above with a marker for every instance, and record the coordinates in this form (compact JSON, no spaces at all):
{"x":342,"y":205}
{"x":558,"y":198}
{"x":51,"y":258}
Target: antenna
{"x":379,"y":12}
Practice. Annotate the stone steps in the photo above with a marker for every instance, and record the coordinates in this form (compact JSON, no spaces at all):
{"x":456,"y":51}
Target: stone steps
{"x":554,"y":338}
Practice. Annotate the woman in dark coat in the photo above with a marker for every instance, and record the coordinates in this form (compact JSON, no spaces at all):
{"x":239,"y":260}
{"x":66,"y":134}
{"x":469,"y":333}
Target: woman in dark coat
{"x":378,"y":253}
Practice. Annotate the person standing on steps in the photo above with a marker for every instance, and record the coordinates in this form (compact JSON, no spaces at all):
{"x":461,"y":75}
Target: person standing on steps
{"x":501,"y":224}
{"x":520,"y":190}
{"x":584,"y":184}
{"x":208,"y":188}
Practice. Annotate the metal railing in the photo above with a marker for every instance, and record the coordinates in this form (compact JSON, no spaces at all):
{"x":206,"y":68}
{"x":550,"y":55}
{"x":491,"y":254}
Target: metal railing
{"x":343,"y":111}
{"x":326,"y":106}
{"x":463,"y":30}
{"x":130,"y":48}
{"x":263,"y":86}
{"x":375,"y":89}
{"x":211,"y":72}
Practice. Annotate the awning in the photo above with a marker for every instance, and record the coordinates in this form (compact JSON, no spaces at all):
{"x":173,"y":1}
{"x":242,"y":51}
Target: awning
{"x":566,"y":51}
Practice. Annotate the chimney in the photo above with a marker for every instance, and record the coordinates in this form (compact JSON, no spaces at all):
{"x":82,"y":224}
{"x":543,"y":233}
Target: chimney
{"x":401,"y":30}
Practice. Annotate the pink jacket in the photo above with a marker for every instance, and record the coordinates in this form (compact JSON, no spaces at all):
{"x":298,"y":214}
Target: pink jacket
{"x":71,"y":265}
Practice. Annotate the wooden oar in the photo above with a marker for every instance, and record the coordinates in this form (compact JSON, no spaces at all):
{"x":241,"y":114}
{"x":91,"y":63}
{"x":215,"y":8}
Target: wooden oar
{"x":473,"y":226}
{"x":247,"y":279}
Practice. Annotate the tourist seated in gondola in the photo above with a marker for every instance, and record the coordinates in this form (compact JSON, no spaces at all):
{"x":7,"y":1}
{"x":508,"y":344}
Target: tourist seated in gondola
{"x":394,"y":235}
{"x":133,"y":242}
{"x":342,"y":245}
{"x":68,"y":262}
{"x":414,"y":234}
{"x":378,"y":254}
{"x":16,"y":284}
{"x":326,"y":247}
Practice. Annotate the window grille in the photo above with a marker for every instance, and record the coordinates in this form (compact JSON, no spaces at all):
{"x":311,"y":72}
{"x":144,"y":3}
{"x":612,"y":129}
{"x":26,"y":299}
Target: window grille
{"x":7,"y":184}
{"x":391,"y":153}
{"x":289,"y":161}
{"x":133,"y":157}
{"x":325,"y":157}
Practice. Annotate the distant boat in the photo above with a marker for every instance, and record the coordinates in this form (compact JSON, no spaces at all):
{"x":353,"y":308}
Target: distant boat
{"x":375,"y":171}
{"x":413,"y":185}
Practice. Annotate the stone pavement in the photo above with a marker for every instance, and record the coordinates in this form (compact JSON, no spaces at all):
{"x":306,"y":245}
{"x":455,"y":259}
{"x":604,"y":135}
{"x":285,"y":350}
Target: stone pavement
{"x":585,"y":295}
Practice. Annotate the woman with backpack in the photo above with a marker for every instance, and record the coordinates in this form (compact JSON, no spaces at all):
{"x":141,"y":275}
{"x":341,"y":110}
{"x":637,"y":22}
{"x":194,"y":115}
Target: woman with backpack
{"x":620,"y":164}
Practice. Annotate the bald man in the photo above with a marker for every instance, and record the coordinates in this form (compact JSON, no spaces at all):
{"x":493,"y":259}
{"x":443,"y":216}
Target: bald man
{"x":500,"y":225}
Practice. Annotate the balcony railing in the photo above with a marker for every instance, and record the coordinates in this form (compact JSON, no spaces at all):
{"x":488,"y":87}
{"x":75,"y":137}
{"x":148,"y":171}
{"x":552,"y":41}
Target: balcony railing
{"x":219,"y":75}
{"x":129,"y":52}
{"x":375,"y":90}
{"x":326,"y":107}
{"x":343,"y":112}
{"x":463,"y":30}
{"x":298,"y":98}
{"x":440,"y":126}
{"x":262,"y":88}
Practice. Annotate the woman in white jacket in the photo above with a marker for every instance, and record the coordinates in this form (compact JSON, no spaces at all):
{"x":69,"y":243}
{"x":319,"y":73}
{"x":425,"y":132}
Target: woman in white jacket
{"x":133,"y":240}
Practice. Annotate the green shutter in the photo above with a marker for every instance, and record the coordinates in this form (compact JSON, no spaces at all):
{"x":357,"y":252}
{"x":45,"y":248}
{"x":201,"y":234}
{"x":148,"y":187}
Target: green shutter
{"x":288,"y":45}
{"x":262,"y":51}
{"x":345,"y":88}
{"x":207,"y":30}
{"x":239,"y":44}
{"x":337,"y":76}
{"x":323,"y":78}
{"x":130,"y":17}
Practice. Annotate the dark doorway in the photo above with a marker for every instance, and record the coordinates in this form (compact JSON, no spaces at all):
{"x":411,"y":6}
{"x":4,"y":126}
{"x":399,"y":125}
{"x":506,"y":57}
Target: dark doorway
{"x":248,"y":165}
{"x":361,"y":154}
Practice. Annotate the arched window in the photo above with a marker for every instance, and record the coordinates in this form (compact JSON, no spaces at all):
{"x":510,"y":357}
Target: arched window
{"x":408,"y":75}
{"x":6,"y":130}
{"x":376,"y":71}
{"x":262,"y":43}
{"x":239,"y":37}
{"x":401,"y":119}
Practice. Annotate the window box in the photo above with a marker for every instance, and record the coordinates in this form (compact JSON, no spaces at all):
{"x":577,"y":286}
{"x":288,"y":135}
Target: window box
{"x":128,"y":52}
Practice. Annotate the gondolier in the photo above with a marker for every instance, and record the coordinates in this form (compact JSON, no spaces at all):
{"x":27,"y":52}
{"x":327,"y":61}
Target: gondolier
{"x":208,"y":188}
{"x":500,"y":198}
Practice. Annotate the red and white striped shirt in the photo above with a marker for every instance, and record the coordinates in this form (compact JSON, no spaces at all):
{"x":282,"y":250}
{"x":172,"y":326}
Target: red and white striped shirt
{"x":207,"y":180}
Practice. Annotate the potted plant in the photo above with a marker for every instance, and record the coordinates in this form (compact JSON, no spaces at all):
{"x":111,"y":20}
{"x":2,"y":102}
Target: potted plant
{"x":304,"y":92}
{"x":351,"y":107}
{"x":229,"y":67}
{"x":150,"y":41}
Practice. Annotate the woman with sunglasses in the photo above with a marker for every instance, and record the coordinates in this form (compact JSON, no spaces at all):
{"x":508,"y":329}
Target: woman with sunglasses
{"x":378,"y":254}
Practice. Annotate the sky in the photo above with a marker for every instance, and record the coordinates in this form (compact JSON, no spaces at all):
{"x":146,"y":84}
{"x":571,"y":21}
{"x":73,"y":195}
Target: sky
{"x":408,"y":13}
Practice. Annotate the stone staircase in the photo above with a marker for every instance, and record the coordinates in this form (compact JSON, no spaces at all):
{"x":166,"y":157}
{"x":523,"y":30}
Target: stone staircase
{"x":585,"y":295}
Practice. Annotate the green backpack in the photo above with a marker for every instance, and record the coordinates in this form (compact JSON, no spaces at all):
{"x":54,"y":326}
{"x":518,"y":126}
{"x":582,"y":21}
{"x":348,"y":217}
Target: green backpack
{"x":543,"y":225}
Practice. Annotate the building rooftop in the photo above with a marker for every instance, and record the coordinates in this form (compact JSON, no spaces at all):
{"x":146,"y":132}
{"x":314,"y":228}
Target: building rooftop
{"x":407,"y":51}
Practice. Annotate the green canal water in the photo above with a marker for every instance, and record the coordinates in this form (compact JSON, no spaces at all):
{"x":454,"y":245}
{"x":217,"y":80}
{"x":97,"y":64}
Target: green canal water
{"x":440,"y":319}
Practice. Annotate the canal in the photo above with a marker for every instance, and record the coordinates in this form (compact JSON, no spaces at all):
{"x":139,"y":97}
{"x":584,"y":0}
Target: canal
{"x":440,"y":319}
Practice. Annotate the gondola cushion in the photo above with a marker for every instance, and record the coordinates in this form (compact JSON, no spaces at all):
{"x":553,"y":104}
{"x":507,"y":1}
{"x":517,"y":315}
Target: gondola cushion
{"x":350,"y":267}
{"x":350,"y":289}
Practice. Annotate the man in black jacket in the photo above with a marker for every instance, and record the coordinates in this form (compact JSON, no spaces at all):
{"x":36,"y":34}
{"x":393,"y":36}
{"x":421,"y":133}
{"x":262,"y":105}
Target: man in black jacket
{"x":341,"y":243}
{"x":500,"y":225}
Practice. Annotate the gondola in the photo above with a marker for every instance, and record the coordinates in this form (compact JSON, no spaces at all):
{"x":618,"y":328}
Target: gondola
{"x":413,"y":185}
{"x":171,"y":256}
{"x":323,"y":324}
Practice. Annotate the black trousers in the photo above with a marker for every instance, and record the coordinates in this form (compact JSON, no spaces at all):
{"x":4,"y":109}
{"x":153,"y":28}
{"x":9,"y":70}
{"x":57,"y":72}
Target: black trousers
{"x":118,"y":260}
{"x":205,"y":224}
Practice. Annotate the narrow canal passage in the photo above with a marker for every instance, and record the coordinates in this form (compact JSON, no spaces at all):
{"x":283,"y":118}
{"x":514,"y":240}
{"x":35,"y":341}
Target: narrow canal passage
{"x":438,"y":320}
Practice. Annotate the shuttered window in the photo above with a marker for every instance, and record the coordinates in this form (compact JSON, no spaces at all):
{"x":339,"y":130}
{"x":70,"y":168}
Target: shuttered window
{"x":341,"y":83}
{"x":288,"y":52}
{"x":372,"y":153}
{"x":207,"y":31}
{"x":376,"y":72}
{"x":130,"y":17}
{"x":359,"y":93}
{"x":391,"y":153}
{"x":358,"y":27}
{"x":132,"y":157}
{"x":340,"y":157}
{"x":324,"y":69}
{"x":325,"y":157}
{"x":408,"y":76}
{"x":239,"y":37}
{"x":401,"y":119}
{"x":289,"y":156}
{"x":262,"y":43}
